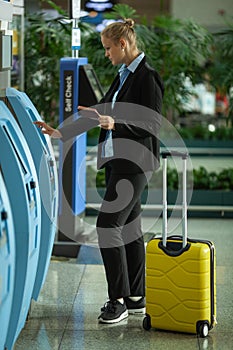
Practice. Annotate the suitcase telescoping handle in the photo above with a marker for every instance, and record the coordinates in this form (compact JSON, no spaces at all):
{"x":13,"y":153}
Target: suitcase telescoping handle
{"x":184,"y":157}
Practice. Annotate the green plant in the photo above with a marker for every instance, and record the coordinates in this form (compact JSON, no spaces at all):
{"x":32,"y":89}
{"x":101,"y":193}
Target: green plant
{"x":202,"y":179}
{"x":223,"y":133}
{"x":219,"y":68}
{"x":173,"y":47}
{"x":225,"y":179}
{"x":47,"y":40}
{"x":95,"y":178}
{"x":122,"y":11}
{"x":201,"y":132}
{"x":179,"y":51}
{"x":198,"y":179}
{"x":195,"y":132}
{"x":93,"y":133}
{"x":93,"y":49}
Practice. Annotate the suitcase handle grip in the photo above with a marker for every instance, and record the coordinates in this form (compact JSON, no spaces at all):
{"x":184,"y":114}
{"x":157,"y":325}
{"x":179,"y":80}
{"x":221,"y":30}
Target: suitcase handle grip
{"x":171,"y":248}
{"x":177,"y":237}
{"x":183,"y":155}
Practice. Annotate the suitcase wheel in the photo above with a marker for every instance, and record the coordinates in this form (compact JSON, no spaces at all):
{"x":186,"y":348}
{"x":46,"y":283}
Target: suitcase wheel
{"x":203,"y":329}
{"x":147,"y":322}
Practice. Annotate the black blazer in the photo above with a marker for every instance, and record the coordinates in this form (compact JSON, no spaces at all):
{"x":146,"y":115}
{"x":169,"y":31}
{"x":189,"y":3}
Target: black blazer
{"x":137,"y":114}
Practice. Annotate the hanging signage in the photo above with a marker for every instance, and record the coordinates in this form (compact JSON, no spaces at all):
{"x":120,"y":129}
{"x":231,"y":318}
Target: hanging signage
{"x":98,"y":5}
{"x":76,"y":39}
{"x":75,"y":9}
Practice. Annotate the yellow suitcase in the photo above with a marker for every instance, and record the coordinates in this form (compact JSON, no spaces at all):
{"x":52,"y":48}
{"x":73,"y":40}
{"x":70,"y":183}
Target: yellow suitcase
{"x":180,"y":276}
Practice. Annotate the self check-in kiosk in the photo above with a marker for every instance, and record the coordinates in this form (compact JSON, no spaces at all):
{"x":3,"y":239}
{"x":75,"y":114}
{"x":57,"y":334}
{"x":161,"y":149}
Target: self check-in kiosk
{"x":90,"y":89}
{"x":75,"y":87}
{"x":72,"y":172}
{"x":22,"y":187}
{"x":7,"y":261}
{"x":45,"y":164}
{"x":79,"y":86}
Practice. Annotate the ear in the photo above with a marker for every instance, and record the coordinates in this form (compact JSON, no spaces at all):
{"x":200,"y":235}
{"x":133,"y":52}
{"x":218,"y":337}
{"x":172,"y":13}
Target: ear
{"x":122,"y":43}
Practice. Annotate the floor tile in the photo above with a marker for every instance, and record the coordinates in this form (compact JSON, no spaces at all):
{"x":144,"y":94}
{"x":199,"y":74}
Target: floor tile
{"x":125,"y":337}
{"x":65,"y":316}
{"x":39,"y":339}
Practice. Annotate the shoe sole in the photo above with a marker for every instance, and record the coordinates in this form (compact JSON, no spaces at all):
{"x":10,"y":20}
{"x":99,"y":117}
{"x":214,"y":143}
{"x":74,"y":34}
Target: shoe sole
{"x":116,"y":320}
{"x":141,"y":311}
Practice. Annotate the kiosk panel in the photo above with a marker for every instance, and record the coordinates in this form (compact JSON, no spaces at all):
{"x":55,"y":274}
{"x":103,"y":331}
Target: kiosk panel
{"x":22,"y":186}
{"x":7,"y":261}
{"x":44,"y":160}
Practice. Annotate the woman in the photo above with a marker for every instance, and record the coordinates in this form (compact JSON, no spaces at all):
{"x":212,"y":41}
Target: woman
{"x":128,"y":149}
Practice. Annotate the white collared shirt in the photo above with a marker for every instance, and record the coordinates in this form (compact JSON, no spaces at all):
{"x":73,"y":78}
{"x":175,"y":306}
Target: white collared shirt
{"x":107,"y":147}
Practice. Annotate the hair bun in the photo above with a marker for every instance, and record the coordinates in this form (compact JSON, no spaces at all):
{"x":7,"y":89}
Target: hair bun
{"x":129,"y":22}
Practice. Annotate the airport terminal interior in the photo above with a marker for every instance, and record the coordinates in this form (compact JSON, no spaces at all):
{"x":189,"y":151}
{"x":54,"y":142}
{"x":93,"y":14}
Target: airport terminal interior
{"x":52,"y":287}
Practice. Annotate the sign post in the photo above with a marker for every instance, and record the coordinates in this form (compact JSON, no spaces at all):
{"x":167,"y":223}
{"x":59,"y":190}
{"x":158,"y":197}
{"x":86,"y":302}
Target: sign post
{"x":72,"y":168}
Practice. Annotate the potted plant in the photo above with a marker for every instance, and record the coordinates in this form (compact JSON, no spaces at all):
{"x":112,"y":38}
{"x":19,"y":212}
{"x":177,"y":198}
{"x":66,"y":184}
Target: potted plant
{"x":221,"y":76}
{"x":47,"y":40}
{"x":173,"y":47}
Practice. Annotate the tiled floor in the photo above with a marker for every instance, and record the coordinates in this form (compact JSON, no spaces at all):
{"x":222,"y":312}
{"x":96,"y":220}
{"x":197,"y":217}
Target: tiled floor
{"x":65,"y":315}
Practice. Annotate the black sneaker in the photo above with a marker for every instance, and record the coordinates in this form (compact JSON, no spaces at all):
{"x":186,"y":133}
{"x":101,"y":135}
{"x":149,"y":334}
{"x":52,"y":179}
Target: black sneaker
{"x":113,"y":312}
{"x":136,"y":307}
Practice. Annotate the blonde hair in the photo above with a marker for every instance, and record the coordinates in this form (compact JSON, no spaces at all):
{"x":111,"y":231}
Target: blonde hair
{"x":124,"y":29}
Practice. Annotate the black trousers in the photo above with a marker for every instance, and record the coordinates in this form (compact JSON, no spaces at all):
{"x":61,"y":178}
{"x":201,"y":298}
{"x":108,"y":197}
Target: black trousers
{"x":120,"y":236}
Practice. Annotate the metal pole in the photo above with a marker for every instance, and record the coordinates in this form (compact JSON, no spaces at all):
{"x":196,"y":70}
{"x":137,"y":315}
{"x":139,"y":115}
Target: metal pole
{"x":184,"y":209}
{"x":76,"y":35}
{"x":164,"y":202}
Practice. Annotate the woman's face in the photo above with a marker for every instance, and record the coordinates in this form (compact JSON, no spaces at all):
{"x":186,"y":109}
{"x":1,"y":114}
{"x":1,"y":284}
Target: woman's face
{"x":113,"y":51}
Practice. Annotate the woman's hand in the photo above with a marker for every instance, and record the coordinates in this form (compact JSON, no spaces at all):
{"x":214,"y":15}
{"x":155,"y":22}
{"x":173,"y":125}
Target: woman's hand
{"x":106,"y":122}
{"x":48,"y":130}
